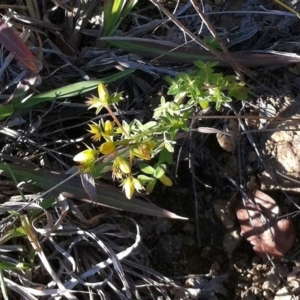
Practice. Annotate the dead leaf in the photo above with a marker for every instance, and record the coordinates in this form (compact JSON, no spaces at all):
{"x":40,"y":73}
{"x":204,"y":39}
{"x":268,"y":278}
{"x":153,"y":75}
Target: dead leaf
{"x":261,"y":226}
{"x":14,"y":44}
{"x":228,"y":138}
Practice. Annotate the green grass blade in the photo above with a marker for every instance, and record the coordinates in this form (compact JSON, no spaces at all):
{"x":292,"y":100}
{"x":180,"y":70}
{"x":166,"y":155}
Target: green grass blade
{"x":128,"y":8}
{"x":3,"y":286}
{"x":6,"y":111}
{"x":107,"y":195}
{"x":107,"y":8}
{"x":114,"y":13}
{"x":166,"y":51}
{"x":13,"y":233}
{"x":70,"y":90}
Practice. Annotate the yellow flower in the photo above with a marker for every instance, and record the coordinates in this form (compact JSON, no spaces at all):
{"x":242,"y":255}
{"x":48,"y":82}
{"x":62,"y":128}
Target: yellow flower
{"x":141,"y":152}
{"x":88,"y":155}
{"x":122,"y":164}
{"x":130,"y":184}
{"x":144,"y":150}
{"x":109,"y":127}
{"x":120,"y":168}
{"x":102,"y":101}
{"x":96,"y":131}
{"x":103,"y":94}
{"x":94,"y":102}
{"x":86,"y":159}
{"x":107,"y":148}
{"x":105,"y":130}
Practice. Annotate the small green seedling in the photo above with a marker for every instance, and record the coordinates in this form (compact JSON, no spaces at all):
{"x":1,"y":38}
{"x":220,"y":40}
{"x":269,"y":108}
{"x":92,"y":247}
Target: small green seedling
{"x":203,"y":85}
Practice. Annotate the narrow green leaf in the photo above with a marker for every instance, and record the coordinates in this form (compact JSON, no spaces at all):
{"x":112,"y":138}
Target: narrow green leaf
{"x":48,"y":202}
{"x":3,"y":286}
{"x":167,"y":51}
{"x":144,"y":179}
{"x":146,"y":168}
{"x":70,"y":90}
{"x":9,"y":266}
{"x":115,"y":11}
{"x":6,"y":111}
{"x":150,"y":186}
{"x":149,"y":125}
{"x":107,"y":195}
{"x":13,"y":233}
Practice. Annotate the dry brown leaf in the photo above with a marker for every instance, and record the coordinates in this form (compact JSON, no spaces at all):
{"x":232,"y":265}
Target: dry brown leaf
{"x":228,"y":139}
{"x":261,"y":226}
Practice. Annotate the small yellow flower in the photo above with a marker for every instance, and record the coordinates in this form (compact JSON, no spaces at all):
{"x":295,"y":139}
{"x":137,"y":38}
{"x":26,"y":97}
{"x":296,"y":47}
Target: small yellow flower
{"x":109,"y":127}
{"x":137,"y":185}
{"x":86,"y":159}
{"x":142,"y":152}
{"x":107,"y":148}
{"x":130,"y":184}
{"x":122,"y":164}
{"x":94,"y":102}
{"x":105,"y":130}
{"x":103,"y":94}
{"x":120,"y":168}
{"x":102,"y":101}
{"x":96,"y":131}
{"x":88,"y":155}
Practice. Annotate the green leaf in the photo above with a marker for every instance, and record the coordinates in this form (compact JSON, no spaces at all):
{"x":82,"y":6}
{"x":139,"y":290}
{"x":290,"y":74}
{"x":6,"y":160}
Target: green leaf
{"x":10,"y":234}
{"x":107,"y":195}
{"x":169,"y":146}
{"x":150,"y":186}
{"x":165,"y":156}
{"x":149,"y":125}
{"x":70,"y":90}
{"x":9,"y":266}
{"x":238,"y":91}
{"x":6,"y":111}
{"x":48,"y":202}
{"x":146,"y":168}
{"x":160,"y":171}
{"x":3,"y":286}
{"x":115,"y":11}
{"x":166,"y":180}
{"x":144,"y":179}
{"x":212,"y":42}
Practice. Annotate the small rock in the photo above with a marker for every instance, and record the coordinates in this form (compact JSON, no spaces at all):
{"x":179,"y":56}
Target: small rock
{"x":283,"y":294}
{"x":231,"y":241}
{"x":293,"y":280}
{"x":272,"y":281}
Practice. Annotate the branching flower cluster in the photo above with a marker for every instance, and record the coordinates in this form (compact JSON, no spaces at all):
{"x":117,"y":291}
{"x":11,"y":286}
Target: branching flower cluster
{"x":140,"y":141}
{"x":131,"y":144}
